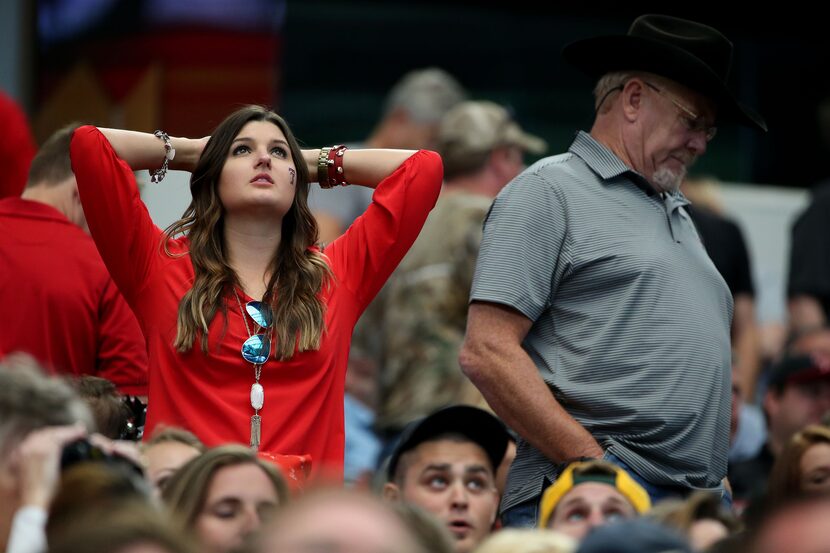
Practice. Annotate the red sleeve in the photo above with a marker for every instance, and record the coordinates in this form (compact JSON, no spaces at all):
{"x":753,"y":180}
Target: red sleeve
{"x":17,"y":148}
{"x":368,"y":252}
{"x":120,"y":224}
{"x":122,"y":352}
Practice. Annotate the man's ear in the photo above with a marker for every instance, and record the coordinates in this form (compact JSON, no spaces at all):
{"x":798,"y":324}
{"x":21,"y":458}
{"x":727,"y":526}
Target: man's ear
{"x":391,"y":492}
{"x":632,"y":97}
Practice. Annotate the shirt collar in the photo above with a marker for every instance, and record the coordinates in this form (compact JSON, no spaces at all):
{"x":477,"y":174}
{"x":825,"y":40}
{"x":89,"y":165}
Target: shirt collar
{"x":604,"y":163}
{"x":17,"y":206}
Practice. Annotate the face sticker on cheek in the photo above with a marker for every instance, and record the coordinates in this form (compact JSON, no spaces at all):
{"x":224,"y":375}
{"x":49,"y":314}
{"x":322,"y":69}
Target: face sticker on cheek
{"x":292,"y":173}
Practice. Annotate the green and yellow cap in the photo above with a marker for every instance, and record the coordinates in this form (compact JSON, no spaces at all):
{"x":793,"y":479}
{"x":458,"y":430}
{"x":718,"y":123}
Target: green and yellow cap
{"x":599,"y":471}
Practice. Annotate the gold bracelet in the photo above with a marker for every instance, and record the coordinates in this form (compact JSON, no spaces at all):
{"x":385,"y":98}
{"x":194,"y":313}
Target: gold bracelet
{"x":323,"y":163}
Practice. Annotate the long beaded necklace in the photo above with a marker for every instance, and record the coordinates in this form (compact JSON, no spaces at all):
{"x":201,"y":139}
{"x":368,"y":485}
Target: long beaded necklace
{"x":257,"y":391}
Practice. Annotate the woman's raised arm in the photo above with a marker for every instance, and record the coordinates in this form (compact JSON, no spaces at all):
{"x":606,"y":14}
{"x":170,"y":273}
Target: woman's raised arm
{"x":146,"y":151}
{"x":361,"y":167}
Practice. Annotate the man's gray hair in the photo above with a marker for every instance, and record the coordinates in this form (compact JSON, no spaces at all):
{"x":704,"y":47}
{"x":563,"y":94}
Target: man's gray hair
{"x":426,"y":94}
{"x":607,"y":83}
{"x":29,"y":399}
{"x":617,"y":79}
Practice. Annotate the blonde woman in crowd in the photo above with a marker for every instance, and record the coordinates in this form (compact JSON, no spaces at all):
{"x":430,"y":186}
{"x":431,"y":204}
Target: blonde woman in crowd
{"x":223,"y":496}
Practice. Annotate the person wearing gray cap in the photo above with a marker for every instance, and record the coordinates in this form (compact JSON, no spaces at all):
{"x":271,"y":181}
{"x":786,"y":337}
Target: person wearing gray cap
{"x":425,"y":301}
{"x":412,"y":112}
{"x":598,"y":326}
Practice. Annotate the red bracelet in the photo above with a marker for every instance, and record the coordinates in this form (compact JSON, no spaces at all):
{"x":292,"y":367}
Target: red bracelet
{"x":334,"y":163}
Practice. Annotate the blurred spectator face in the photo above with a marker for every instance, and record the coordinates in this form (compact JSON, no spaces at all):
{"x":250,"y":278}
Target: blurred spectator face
{"x":420,"y":135}
{"x":454,"y":481}
{"x":143,"y":548}
{"x":510,"y":161}
{"x":705,"y":532}
{"x":798,"y":405}
{"x":238,"y":498}
{"x":817,"y":341}
{"x":338,"y":522}
{"x":517,"y":159}
{"x":362,"y":378}
{"x":800,"y":529}
{"x":161,"y":460}
{"x":402,"y":130}
{"x":587,"y":506}
{"x":815,"y":468}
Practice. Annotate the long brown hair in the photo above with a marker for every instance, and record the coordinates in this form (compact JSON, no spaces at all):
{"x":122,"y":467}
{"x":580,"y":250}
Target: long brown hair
{"x":298,"y":273}
{"x":785,"y":477}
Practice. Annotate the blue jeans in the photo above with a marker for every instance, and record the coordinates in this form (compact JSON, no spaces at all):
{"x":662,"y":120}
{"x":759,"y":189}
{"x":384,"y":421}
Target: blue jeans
{"x":659,"y":493}
{"x":522,"y":515}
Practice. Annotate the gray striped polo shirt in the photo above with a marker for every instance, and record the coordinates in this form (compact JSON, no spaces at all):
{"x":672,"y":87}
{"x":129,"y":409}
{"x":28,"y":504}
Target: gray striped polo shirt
{"x":630,"y":317}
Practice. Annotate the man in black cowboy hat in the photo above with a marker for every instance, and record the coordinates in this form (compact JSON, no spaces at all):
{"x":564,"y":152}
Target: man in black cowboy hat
{"x":598,"y":326}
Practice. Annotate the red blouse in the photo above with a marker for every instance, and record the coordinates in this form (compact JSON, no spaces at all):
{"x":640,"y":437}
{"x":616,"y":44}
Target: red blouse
{"x":210,"y":394}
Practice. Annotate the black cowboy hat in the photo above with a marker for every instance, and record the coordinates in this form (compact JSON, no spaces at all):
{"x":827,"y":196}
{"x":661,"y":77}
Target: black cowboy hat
{"x":693,"y":54}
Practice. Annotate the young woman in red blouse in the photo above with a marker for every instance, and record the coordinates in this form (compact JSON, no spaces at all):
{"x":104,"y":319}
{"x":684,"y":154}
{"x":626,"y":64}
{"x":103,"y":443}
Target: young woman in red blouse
{"x":242,"y":267}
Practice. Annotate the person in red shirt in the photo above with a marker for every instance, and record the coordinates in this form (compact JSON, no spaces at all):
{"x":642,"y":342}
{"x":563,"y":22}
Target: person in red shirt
{"x":248,"y":322}
{"x":17,"y":147}
{"x":59,"y":303}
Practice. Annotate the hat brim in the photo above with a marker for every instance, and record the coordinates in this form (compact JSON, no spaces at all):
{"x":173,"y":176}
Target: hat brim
{"x":600,"y":55}
{"x":478,"y":425}
{"x":804,"y":374}
{"x":798,"y":369}
{"x":527,"y":142}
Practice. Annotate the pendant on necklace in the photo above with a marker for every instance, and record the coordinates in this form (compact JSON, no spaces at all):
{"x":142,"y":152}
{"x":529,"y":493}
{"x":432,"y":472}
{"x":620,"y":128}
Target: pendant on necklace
{"x":257,"y":400}
{"x":257,"y":396}
{"x":256,"y":429}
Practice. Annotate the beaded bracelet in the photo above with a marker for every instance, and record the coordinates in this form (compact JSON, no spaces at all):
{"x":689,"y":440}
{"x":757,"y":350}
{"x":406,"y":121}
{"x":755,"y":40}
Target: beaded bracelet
{"x":169,"y":154}
{"x":330,"y":167}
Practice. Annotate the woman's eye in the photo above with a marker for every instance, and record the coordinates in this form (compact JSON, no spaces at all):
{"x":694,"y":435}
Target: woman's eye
{"x":241,"y":149}
{"x":279,"y":151}
{"x":224,"y":512}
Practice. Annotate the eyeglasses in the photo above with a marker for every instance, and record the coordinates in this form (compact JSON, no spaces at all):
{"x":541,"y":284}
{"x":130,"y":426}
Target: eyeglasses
{"x":692,"y":121}
{"x":257,"y":348}
{"x":605,"y":97}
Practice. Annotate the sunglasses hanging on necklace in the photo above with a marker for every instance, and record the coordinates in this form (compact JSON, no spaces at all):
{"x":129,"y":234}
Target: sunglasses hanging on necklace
{"x":256,"y":350}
